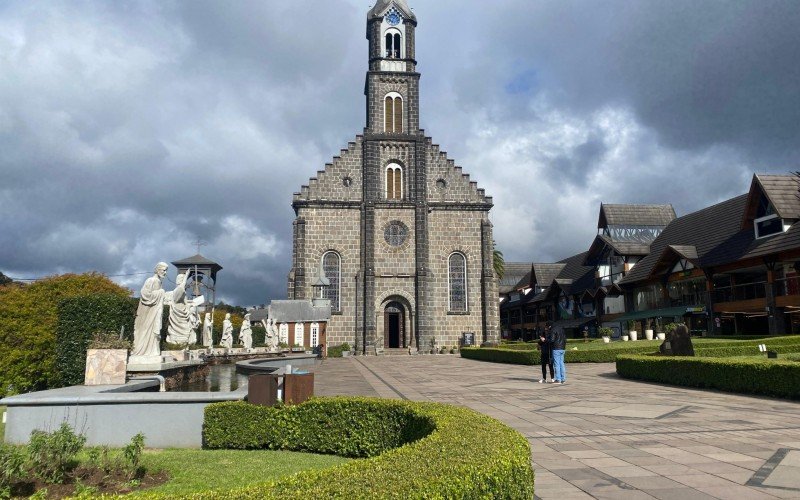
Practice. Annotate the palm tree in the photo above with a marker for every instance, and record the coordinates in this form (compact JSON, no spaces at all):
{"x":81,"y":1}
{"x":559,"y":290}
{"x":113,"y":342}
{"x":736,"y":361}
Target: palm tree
{"x":499,"y":263}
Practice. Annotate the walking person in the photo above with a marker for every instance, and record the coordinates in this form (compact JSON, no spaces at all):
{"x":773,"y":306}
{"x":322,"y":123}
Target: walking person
{"x":558,"y":343}
{"x":546,"y":355}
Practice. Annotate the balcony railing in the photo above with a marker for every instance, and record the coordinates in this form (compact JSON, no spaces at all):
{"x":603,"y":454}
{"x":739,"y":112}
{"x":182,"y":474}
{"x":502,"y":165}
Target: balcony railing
{"x":690,"y":300}
{"x":747,"y":291}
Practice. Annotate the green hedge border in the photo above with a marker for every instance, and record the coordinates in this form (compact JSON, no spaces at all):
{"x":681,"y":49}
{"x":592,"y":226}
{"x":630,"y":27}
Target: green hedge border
{"x":532,"y":357}
{"x":749,"y":376}
{"x":748,"y":350}
{"x":411,"y":449}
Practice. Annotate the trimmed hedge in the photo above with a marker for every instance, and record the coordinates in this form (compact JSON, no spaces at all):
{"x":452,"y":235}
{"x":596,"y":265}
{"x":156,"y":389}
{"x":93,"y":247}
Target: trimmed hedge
{"x":533,"y":357}
{"x":410,"y":450}
{"x":81,"y":317}
{"x":750,"y":376}
{"x":746,"y":350}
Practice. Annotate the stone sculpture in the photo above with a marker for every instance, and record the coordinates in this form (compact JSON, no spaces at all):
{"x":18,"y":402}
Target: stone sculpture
{"x":179,"y":329}
{"x":227,"y":332}
{"x":208,"y":339}
{"x":271,"y":338}
{"x":194,"y":324}
{"x":147,"y":326}
{"x":246,"y":333}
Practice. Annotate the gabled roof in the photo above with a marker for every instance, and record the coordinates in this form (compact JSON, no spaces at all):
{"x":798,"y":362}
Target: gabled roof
{"x":297,"y":311}
{"x":715,"y":232}
{"x":620,"y":248}
{"x":513,"y":272}
{"x":198,"y":260}
{"x":543,"y":274}
{"x":672,"y":253}
{"x":780,"y":190}
{"x":524,"y":282}
{"x":382,"y":6}
{"x":635,"y":215}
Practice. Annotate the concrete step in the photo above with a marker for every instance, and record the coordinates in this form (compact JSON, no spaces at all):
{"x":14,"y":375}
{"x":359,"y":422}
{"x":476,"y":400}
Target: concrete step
{"x":402,"y":351}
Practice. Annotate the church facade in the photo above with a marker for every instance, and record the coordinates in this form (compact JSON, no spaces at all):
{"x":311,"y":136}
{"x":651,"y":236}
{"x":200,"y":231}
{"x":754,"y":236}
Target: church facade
{"x":401,"y":233}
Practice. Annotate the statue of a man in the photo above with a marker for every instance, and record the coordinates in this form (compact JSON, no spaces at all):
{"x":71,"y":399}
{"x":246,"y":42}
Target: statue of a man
{"x":194,"y":324}
{"x":246,"y":333}
{"x":180,"y":328}
{"x":208,"y":339}
{"x":227,"y":332}
{"x":272,"y":334}
{"x":147,"y":327}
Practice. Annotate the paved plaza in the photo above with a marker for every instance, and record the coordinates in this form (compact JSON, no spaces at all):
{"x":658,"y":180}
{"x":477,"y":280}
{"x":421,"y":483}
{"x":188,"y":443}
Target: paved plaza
{"x":600,"y":436}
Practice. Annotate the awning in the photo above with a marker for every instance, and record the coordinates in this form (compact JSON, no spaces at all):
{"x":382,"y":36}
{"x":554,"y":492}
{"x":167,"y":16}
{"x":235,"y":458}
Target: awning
{"x":654,"y":313}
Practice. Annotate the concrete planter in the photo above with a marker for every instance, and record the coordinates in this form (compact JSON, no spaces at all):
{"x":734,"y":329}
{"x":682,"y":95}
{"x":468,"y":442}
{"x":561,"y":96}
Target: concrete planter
{"x":648,"y":334}
{"x":105,"y":366}
{"x":606,"y":340}
{"x":661,"y":336}
{"x":634,"y":335}
{"x":624,"y":338}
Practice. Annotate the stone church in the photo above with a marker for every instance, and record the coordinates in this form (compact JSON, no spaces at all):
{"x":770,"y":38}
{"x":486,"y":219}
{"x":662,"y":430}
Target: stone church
{"x":400,"y":232}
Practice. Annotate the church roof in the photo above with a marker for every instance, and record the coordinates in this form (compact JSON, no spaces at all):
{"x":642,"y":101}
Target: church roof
{"x":297,"y":311}
{"x":381,"y":6}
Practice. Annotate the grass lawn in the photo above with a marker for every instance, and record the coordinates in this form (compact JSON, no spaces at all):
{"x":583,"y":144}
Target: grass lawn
{"x":200,"y":470}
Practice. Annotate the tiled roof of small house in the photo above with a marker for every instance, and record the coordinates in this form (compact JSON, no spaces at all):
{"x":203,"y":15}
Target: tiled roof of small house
{"x":513,"y":272}
{"x":297,"y":311}
{"x":544,"y":274}
{"x":635,"y":215}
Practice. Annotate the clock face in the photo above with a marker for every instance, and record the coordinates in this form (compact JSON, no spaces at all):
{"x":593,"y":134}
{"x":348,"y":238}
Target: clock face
{"x":393,"y":18}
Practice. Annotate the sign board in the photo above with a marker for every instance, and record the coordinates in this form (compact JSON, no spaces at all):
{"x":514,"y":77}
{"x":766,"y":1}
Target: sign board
{"x":468,"y":339}
{"x":696,"y":309}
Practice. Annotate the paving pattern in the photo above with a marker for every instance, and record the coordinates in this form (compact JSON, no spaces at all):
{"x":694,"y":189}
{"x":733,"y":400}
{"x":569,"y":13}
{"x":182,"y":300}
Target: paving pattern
{"x":600,"y":436}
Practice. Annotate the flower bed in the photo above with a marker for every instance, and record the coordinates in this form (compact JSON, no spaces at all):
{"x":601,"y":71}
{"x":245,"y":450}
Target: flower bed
{"x":409,"y":450}
{"x":752,"y":375}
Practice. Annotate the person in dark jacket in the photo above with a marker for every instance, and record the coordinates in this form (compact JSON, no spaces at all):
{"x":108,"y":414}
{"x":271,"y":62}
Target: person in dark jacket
{"x":547,"y":357}
{"x":558,"y":344}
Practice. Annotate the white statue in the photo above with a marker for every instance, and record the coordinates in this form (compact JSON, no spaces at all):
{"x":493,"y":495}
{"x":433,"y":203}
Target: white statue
{"x":271,"y":336}
{"x":147,"y":327}
{"x":194,"y":324}
{"x":227,"y":332}
{"x":180,"y":328}
{"x":208,"y":338}
{"x":246,"y":333}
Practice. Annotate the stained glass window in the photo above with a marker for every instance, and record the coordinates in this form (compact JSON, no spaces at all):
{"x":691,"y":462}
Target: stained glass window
{"x":332,"y":268}
{"x":458,"y":283}
{"x":395,"y":233}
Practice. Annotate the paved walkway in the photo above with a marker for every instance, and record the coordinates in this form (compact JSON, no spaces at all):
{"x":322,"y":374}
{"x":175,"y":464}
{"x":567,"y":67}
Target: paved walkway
{"x":600,"y":436}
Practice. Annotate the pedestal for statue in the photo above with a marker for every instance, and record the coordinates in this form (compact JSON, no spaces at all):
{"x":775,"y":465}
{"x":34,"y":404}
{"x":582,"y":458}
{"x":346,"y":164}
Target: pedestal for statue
{"x":144,"y":360}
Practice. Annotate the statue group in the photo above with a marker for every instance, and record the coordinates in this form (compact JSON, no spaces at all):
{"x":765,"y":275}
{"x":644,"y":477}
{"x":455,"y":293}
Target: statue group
{"x":184,"y":321}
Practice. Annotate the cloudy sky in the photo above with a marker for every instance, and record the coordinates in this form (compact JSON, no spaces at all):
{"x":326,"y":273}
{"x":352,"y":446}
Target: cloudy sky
{"x":128,"y":130}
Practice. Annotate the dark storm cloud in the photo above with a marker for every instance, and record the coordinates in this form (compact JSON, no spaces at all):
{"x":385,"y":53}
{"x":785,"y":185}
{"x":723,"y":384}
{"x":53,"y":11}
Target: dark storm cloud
{"x":129,"y":129}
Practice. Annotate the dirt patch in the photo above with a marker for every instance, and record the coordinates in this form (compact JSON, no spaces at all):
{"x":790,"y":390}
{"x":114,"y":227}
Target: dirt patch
{"x":90,"y":480}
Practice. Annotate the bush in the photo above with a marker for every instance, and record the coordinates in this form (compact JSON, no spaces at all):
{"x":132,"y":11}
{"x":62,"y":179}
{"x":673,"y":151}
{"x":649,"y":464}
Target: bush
{"x":259,"y":335}
{"x":741,"y":350}
{"x":52,"y":455}
{"x":79,"y":319}
{"x":12,"y":467}
{"x":336,"y":351}
{"x":28,"y":321}
{"x":603,"y":353}
{"x":414,"y":450}
{"x":741,"y":375}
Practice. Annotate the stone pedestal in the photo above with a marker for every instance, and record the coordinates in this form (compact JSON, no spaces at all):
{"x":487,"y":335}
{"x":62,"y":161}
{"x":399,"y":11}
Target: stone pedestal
{"x":144,"y":360}
{"x":105,"y":366}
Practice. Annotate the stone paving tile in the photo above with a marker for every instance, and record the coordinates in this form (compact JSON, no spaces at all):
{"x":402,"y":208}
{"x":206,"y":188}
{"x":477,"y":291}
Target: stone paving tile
{"x":659,"y":442}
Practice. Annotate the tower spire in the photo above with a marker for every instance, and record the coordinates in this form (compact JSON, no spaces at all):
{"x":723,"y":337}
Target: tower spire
{"x":383,"y":6}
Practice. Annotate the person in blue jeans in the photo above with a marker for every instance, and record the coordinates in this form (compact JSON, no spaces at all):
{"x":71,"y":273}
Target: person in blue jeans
{"x":558,"y":343}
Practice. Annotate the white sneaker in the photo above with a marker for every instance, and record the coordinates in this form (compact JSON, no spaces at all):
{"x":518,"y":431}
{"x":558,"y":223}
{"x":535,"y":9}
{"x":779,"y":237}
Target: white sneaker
{"x":542,"y":381}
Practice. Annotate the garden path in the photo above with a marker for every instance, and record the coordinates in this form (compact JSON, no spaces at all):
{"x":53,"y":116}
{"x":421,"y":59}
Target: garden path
{"x":601,"y":436}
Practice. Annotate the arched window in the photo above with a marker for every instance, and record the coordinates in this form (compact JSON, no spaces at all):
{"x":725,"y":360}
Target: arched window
{"x":283,"y":333}
{"x":299,"y":331}
{"x":394,"y":182}
{"x":457,"y":282}
{"x":314,"y":334}
{"x":331,"y":264}
{"x":393,"y":113}
{"x":394,"y":48}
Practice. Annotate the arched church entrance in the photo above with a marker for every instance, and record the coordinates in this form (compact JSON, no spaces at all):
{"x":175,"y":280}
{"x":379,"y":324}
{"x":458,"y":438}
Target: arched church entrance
{"x":394,"y":326}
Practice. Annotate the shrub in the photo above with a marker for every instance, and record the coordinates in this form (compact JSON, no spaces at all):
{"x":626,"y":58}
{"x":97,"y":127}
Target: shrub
{"x":606,"y":331}
{"x":410,"y":450}
{"x":52,"y":455}
{"x":259,"y":335}
{"x":741,"y":375}
{"x":79,"y":319}
{"x":12,"y":467}
{"x":604,"y":353}
{"x":727,"y":351}
{"x":109,"y":340}
{"x":132,"y":453}
{"x":28,"y":320}
{"x":336,"y":351}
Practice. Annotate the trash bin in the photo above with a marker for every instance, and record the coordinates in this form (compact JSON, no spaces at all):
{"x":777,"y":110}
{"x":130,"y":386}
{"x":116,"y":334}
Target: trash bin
{"x":297,"y":387}
{"x":262,"y":389}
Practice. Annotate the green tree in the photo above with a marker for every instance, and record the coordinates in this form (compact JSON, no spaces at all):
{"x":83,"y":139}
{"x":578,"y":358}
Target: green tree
{"x":499,"y":263}
{"x":4,"y":280}
{"x":28,"y":318}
